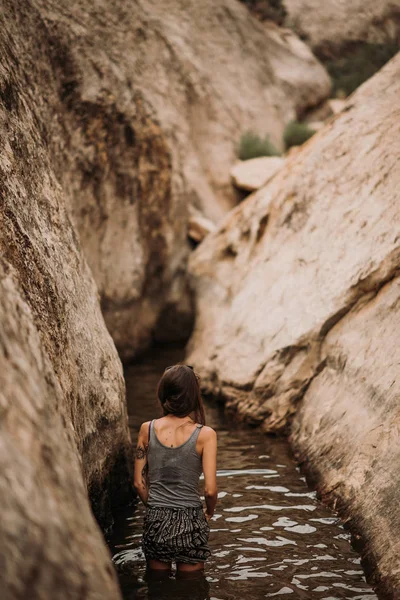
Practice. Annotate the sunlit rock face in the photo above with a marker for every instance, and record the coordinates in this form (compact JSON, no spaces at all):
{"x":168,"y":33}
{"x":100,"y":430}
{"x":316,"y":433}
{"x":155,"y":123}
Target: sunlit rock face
{"x":347,"y":427}
{"x":297,"y":296}
{"x":293,"y":258}
{"x":142,"y":105}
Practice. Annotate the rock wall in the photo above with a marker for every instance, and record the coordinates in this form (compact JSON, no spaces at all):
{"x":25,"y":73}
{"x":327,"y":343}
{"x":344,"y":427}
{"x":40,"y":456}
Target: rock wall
{"x":334,"y":26}
{"x":63,"y":427}
{"x":143,"y":107}
{"x":290,"y":290}
{"x":50,"y":546}
{"x":329,"y":27}
{"x":348,"y":426}
{"x":352,"y":39}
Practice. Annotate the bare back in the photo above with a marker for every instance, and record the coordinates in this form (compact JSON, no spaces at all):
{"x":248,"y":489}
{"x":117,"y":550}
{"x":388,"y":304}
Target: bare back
{"x":176,"y":433}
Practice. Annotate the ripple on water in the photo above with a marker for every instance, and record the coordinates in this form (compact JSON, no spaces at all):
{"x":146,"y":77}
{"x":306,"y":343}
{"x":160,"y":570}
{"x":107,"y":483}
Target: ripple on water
{"x":266,"y":541}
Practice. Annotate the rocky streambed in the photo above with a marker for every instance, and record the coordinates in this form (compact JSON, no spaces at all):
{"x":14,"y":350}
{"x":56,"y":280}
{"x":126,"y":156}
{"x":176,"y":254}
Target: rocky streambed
{"x":270,"y":536}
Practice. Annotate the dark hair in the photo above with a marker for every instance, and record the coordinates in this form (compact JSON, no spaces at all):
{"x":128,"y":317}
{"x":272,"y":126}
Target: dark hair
{"x":179,"y":393}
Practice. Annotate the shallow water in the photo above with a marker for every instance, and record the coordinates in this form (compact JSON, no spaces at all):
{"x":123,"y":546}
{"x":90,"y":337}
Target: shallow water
{"x":270,"y":537}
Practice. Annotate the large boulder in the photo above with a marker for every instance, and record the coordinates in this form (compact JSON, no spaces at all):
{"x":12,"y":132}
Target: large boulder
{"x":284,"y":269}
{"x":330,"y":26}
{"x":143,"y":105}
{"x":353,"y":39}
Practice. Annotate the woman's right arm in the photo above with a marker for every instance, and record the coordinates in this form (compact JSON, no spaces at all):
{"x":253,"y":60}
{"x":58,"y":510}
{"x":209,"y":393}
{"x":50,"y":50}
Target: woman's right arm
{"x":210,"y":470}
{"x":140,"y":471}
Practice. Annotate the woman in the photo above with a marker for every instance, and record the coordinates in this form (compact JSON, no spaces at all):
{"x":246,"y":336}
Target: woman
{"x":171,"y":454}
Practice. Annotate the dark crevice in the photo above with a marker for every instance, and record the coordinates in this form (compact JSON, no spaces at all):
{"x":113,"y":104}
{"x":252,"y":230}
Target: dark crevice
{"x":262,"y":227}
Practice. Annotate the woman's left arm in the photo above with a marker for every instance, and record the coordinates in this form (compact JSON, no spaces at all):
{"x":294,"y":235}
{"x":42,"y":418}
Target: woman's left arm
{"x":140,"y":472}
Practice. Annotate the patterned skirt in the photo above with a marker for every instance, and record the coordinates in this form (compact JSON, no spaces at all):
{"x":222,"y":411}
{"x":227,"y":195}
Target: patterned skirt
{"x":176,"y":534}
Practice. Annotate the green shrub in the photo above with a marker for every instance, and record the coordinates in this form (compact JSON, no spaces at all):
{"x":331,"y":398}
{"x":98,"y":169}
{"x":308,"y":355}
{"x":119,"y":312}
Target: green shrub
{"x":296,"y":134}
{"x":252,"y":145}
{"x":358,"y":64}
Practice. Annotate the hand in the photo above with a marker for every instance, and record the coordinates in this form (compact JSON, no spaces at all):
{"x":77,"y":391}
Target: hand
{"x":207,"y":516}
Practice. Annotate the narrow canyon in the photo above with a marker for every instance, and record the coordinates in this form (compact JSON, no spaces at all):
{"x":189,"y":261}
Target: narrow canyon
{"x":120,"y":228}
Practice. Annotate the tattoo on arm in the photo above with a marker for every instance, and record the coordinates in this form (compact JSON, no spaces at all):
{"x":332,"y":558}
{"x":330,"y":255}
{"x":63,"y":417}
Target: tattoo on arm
{"x":141,"y":452}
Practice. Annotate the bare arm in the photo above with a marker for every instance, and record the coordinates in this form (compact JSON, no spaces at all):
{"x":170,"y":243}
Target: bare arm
{"x":210,"y":471}
{"x":140,"y":472}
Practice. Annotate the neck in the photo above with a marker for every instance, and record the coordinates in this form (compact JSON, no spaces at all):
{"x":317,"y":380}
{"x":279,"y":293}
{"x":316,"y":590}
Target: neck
{"x":175,"y":418}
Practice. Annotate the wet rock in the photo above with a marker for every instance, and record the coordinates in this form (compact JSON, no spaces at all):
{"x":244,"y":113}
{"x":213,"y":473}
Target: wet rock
{"x":141,"y":106}
{"x":250,"y":175}
{"x":284,"y":268}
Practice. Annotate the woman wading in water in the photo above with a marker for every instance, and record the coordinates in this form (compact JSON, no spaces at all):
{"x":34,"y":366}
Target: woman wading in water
{"x":171,"y":454}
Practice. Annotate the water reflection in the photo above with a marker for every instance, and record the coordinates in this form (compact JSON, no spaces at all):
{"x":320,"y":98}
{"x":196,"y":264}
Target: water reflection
{"x":270,"y":536}
{"x":174,"y":588}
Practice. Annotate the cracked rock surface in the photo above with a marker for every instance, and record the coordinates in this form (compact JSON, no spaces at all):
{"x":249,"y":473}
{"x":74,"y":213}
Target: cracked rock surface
{"x":291,"y":288}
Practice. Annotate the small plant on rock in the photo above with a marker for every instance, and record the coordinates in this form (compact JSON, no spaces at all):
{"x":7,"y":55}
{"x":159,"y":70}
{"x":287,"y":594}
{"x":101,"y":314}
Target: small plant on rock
{"x":252,"y":145}
{"x":296,"y":134}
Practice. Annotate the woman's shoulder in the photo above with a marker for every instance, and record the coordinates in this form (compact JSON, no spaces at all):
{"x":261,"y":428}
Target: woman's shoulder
{"x":208,"y":433}
{"x":144,"y":428}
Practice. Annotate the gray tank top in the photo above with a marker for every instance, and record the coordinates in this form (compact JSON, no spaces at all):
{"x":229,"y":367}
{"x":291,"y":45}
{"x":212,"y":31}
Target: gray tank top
{"x":174,"y":472}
